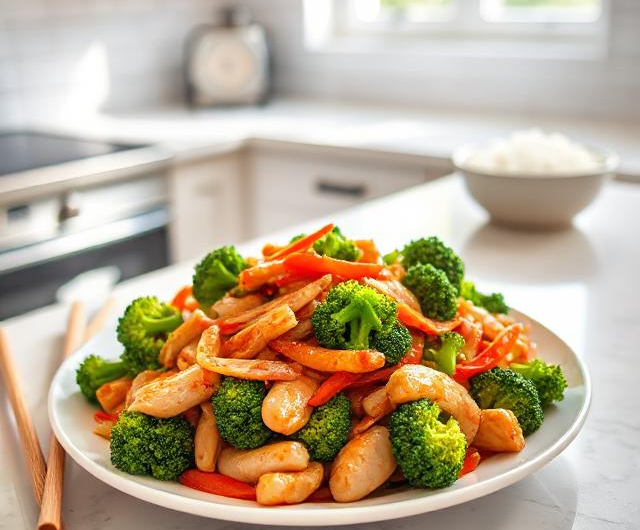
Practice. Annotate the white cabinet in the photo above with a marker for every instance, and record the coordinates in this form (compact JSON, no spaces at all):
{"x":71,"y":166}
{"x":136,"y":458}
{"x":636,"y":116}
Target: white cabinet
{"x":206,"y":205}
{"x":292,"y":185}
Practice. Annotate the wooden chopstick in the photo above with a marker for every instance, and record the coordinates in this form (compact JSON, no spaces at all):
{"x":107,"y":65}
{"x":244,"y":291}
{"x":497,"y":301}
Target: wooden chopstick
{"x":47,"y":481}
{"x":28,"y":437}
{"x":101,"y":316}
{"x":51,"y":506}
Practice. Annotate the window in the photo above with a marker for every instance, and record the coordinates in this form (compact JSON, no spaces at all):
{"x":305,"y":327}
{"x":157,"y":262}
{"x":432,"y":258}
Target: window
{"x":557,"y":28}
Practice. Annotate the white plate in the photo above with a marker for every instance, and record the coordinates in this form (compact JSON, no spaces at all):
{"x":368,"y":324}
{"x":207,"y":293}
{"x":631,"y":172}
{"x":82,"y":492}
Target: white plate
{"x":72,"y":421}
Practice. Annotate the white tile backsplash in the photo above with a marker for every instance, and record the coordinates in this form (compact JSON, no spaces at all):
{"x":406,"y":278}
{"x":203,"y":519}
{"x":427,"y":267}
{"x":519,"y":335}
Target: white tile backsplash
{"x":47,"y":45}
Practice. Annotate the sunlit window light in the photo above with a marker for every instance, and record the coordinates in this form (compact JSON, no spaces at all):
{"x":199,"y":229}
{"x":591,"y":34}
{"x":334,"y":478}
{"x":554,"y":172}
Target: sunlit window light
{"x":90,"y":82}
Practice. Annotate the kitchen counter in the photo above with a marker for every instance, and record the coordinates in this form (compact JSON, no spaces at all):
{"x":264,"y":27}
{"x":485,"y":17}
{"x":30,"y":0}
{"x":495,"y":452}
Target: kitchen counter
{"x":580,"y":283}
{"x":421,"y":136}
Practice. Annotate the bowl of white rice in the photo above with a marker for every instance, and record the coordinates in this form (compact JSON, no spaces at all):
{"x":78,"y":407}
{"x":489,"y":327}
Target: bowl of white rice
{"x":533,"y":179}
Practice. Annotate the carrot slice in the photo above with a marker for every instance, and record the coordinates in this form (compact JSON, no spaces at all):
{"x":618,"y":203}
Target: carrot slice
{"x":218,"y":484}
{"x":370,"y":253}
{"x":307,"y":264}
{"x":301,"y":245}
{"x":255,"y":277}
{"x":184,"y":300}
{"x":413,"y":356}
{"x":331,"y":387}
{"x":471,"y":461}
{"x":412,"y":318}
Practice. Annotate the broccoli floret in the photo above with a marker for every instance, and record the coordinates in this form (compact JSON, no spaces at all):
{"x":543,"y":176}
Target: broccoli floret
{"x":95,"y":371}
{"x":547,"y":378}
{"x":430,"y":250}
{"x":237,"y":406}
{"x":144,"y":445}
{"x":327,"y":430}
{"x":143,"y":330}
{"x":216,"y":274}
{"x":438,"y":299}
{"x":506,"y":389}
{"x":391,"y":258}
{"x":494,"y":302}
{"x":296,"y":238}
{"x":443,"y":350}
{"x":394,"y":344}
{"x":350,"y":315}
{"x":337,"y":246}
{"x":429,"y":452}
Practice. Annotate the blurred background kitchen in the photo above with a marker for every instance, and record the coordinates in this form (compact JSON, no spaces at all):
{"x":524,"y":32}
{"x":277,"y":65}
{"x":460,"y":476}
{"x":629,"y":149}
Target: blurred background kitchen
{"x":139,"y":133}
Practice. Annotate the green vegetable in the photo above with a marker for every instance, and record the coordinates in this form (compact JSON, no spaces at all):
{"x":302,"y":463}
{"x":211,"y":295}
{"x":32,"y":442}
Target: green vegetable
{"x":237,"y":406}
{"x":444,"y":349}
{"x":494,"y":302}
{"x":351,"y":315}
{"x":506,"y":389}
{"x":430,"y":453}
{"x":95,"y":371}
{"x":438,"y":298}
{"x":391,"y":258}
{"x":394,"y":344}
{"x":296,"y":238}
{"x":547,"y":378}
{"x":327,"y":430}
{"x":144,"y":445}
{"x":335,"y":245}
{"x":432,"y":251}
{"x":216,"y":274}
{"x":143,"y":330}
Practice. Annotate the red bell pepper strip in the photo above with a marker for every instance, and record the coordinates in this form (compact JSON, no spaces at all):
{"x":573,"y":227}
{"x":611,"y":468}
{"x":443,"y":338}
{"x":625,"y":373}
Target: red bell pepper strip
{"x":331,"y":387}
{"x":471,"y":461}
{"x":218,"y":484}
{"x":412,"y":318}
{"x":306,"y":264}
{"x":181,"y":296}
{"x":101,"y":416}
{"x":301,"y":245}
{"x":370,"y":253}
{"x":491,"y":356}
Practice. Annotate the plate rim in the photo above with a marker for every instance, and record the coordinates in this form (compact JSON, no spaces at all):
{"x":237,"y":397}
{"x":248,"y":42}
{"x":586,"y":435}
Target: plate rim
{"x":321,"y":515}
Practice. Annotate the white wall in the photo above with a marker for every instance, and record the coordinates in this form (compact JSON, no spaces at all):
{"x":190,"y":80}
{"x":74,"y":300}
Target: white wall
{"x":70,"y":56}
{"x":607,"y":88}
{"x":73,"y":56}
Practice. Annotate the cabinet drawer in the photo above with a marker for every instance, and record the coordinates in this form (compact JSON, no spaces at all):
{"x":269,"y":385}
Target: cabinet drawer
{"x":291,"y":189}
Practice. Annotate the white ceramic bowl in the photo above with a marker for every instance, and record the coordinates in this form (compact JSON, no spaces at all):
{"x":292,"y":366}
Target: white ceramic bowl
{"x":533,"y":201}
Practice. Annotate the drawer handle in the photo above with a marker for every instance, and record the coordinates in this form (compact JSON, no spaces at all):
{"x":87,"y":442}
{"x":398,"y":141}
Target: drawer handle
{"x":347,"y":190}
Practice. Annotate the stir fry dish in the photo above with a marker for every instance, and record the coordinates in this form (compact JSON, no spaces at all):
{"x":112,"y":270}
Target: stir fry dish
{"x":320,"y":371}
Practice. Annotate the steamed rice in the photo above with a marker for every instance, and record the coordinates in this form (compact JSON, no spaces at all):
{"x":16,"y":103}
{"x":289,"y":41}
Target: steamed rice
{"x":533,"y":152}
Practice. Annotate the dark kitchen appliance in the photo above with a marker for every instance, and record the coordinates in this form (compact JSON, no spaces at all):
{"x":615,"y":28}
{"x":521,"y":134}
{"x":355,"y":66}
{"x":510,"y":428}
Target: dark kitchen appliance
{"x":50,"y":238}
{"x":25,"y":150}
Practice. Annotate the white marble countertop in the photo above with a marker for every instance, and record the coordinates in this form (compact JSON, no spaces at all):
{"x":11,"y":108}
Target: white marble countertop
{"x":421,"y":135}
{"x":581,"y":283}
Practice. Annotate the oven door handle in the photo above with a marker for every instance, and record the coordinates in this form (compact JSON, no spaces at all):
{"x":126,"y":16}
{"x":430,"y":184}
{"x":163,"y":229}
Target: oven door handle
{"x":77,"y":242}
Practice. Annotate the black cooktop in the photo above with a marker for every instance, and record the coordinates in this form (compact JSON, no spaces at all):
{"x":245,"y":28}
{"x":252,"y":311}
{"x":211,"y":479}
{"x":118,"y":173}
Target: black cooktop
{"x":25,"y":150}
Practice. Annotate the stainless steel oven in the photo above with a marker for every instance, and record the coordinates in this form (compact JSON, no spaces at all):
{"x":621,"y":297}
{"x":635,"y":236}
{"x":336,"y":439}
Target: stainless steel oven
{"x":48,"y":239}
